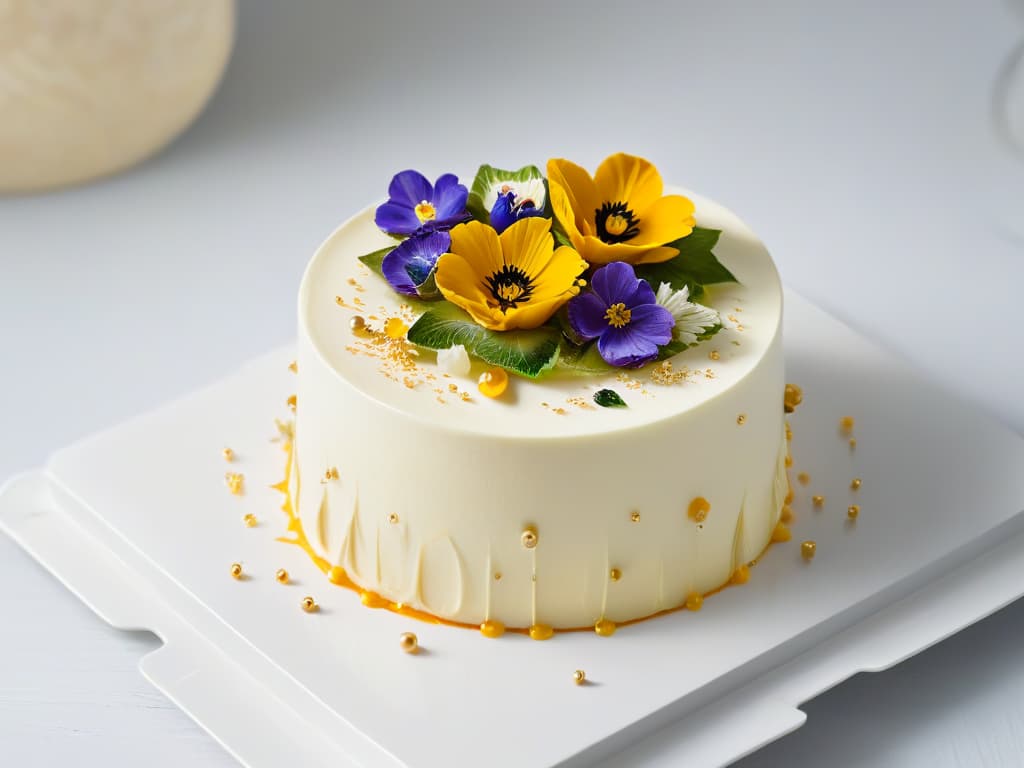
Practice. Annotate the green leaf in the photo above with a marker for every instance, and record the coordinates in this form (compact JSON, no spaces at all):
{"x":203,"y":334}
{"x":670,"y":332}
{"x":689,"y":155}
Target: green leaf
{"x":583,"y":360}
{"x":558,"y":231}
{"x":486,"y":178}
{"x":609,"y":398}
{"x":376,"y":258}
{"x":528,"y":353}
{"x":694,"y":267}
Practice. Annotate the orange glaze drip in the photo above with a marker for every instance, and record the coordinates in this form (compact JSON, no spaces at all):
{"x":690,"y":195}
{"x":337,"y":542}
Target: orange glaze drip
{"x":491,"y":628}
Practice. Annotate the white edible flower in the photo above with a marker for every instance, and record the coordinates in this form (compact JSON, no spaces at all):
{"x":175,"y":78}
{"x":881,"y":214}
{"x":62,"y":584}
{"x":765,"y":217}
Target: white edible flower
{"x":692,"y":319}
{"x":454,"y":360}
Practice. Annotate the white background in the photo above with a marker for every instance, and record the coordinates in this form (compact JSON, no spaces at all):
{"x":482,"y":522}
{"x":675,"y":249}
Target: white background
{"x":871,"y":146}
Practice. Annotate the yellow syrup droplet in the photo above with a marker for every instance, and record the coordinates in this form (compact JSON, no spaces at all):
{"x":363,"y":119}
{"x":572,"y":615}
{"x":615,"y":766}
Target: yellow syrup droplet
{"x":395,"y":328}
{"x":741,"y":575}
{"x":541,"y":632}
{"x":605,"y":628}
{"x":373,"y":600}
{"x":492,"y":628}
{"x":786,"y":515}
{"x":781,"y":533}
{"x":493,"y":383}
{"x":614,"y":574}
{"x":698,"y":509}
{"x":337,"y":575}
{"x":694,"y":601}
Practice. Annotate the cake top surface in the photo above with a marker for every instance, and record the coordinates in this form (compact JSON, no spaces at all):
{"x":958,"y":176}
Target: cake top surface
{"x":339,"y":291}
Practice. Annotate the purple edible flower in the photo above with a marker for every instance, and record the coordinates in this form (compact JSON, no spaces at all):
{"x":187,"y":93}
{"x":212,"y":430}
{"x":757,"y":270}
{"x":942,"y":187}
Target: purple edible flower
{"x":620,"y":311}
{"x":409,"y":268}
{"x":507,"y":211}
{"x":415,"y":206}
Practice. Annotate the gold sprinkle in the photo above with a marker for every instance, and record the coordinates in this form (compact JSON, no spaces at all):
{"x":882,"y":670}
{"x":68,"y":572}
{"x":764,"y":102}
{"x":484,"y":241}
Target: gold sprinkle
{"x":818,"y":501}
{"x":235,"y":482}
{"x":634,"y":516}
{"x":529,"y":538}
{"x":249,"y":520}
{"x":803,"y":478}
{"x":408,"y":642}
{"x":228,"y":454}
{"x":741,"y":419}
{"x":852,"y":511}
{"x":714,"y":355}
{"x":393,"y":518}
{"x":605,"y":628}
{"x":309,"y":605}
{"x":453,"y":387}
{"x":853,"y":443}
{"x":807,"y":550}
{"x":331,"y":474}
{"x":292,"y":402}
{"x":792,"y":397}
{"x":357,"y":323}
{"x":698,"y":509}
{"x":558,"y":411}
{"x":694,"y":601}
{"x":579,"y":677}
{"x":281,"y":577}
{"x":236,"y":570}
{"x":855,"y":484}
{"x":740,"y":327}
{"x":614,"y":574}
{"x":293,"y":366}
{"x":846,"y":425}
{"x":409,"y":383}
{"x":497,"y":576}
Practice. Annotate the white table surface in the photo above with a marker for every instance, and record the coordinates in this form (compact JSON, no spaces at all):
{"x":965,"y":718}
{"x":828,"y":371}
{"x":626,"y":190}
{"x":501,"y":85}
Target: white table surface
{"x":870,"y":146}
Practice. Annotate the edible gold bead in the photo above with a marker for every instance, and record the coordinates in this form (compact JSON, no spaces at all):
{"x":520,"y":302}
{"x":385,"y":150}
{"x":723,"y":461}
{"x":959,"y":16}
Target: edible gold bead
{"x":614,"y":574}
{"x":846,"y":424}
{"x":493,"y":383}
{"x":249,"y":520}
{"x":236,"y":570}
{"x":605,"y":628}
{"x":408,"y":642}
{"x":807,"y":550}
{"x":634,"y":516}
{"x":357,"y":323}
{"x":792,"y":397}
{"x":228,"y":454}
{"x":529,"y":538}
{"x":855,"y":484}
{"x":579,"y":677}
{"x":818,"y":501}
{"x":309,"y":605}
{"x":803,"y":478}
{"x":741,"y":419}
{"x":852,"y":511}
{"x":393,"y":518}
{"x":694,"y":601}
{"x":281,"y":576}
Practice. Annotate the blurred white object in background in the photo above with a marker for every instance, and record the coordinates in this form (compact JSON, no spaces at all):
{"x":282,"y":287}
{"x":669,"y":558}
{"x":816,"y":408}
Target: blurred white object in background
{"x":90,"y":87}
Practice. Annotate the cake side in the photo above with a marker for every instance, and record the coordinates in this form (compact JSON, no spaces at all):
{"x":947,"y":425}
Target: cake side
{"x":539,"y":509}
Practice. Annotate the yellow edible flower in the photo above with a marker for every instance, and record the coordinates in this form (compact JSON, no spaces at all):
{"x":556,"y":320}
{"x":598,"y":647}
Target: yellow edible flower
{"x":620,"y":213}
{"x":516,"y":280}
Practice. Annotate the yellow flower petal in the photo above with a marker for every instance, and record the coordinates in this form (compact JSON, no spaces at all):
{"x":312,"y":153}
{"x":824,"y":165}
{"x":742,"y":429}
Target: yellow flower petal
{"x":628,"y":179}
{"x":528,"y":244}
{"x":558,"y":277}
{"x":573,"y":197}
{"x":667,"y":219}
{"x":598,"y":252}
{"x":461,"y":283}
{"x":478,"y":244}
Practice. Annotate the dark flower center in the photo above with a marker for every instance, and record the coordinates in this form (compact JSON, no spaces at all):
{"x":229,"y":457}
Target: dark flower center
{"x":510,"y":286}
{"x":616,"y":223}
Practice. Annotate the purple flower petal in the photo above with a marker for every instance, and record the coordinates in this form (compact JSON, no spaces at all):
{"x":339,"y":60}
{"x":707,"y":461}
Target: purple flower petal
{"x":615,"y":282}
{"x":502,"y":214}
{"x":626,"y":347}
{"x":653,"y":321}
{"x":410,"y":265}
{"x":586,"y":315}
{"x":409,"y":188}
{"x":396,"y":219}
{"x":449,"y":197}
{"x":644,"y":294}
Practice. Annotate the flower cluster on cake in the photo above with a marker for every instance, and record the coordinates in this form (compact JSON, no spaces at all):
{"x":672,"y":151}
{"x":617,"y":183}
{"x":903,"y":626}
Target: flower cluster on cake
{"x":528,"y":272}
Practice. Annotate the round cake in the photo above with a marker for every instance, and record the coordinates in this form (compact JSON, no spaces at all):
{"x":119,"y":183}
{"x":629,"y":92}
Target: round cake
{"x":581,"y":497}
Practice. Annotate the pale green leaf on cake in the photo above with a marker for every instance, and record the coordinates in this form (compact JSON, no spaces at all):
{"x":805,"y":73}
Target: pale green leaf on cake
{"x":583,"y":360}
{"x":374,"y":259}
{"x":694,"y":267}
{"x":487,"y":177}
{"x":676,"y":346}
{"x":528,"y":353}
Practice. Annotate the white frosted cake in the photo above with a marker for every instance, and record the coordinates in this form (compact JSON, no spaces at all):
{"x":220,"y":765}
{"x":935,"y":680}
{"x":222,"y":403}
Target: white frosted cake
{"x":470,"y":474}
